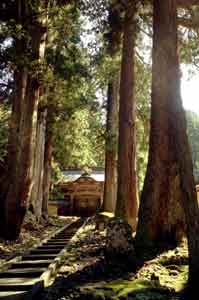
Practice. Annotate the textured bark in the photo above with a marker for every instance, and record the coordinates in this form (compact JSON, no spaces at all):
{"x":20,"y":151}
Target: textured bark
{"x":38,"y":173}
{"x":183,"y":157}
{"x":21,"y":148}
{"x":161,"y":217}
{"x":47,"y":172}
{"x":167,"y":91}
{"x":110,"y":185}
{"x":127,"y":201}
{"x":20,"y":79}
{"x":20,"y":188}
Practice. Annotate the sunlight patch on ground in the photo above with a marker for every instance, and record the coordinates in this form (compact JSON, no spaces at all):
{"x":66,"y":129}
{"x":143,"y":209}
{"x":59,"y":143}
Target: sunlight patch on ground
{"x":107,"y":214}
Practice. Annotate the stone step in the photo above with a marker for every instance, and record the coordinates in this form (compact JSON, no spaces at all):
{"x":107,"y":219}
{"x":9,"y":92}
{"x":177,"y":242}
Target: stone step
{"x":38,"y":257}
{"x":54,"y":242}
{"x":58,"y":240}
{"x":61,"y":238}
{"x":32,"y":264}
{"x":17,"y":284}
{"x":11,"y":295}
{"x":50,"y":246}
{"x":64,"y":235}
{"x":45,"y":251}
{"x":22,"y":272}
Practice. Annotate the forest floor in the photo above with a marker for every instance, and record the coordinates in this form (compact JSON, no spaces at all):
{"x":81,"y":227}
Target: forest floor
{"x":86,"y":275}
{"x":32,"y":234}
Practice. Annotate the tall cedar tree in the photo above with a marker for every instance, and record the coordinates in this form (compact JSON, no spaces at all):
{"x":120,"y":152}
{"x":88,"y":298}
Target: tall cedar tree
{"x":127,"y":199}
{"x":161,"y":215}
{"x":110,"y":186}
{"x":29,"y":55}
{"x":166,"y":101}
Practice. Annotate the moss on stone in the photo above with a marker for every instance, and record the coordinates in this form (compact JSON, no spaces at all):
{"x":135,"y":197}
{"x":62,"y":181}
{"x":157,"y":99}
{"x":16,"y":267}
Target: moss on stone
{"x":176,"y":281}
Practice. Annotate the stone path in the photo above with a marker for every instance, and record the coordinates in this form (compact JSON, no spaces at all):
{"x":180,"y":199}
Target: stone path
{"x":24,"y":276}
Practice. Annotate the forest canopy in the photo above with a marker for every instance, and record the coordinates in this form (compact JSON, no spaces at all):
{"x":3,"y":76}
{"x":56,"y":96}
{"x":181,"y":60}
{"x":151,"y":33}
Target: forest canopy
{"x":98,"y":84}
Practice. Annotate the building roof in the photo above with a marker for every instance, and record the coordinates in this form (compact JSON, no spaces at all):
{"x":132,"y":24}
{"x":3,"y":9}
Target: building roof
{"x":74,"y":174}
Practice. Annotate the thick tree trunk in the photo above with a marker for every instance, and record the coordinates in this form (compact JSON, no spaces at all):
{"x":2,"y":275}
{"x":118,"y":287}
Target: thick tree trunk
{"x":20,"y":188}
{"x":47,"y":172}
{"x":26,"y":100}
{"x":166,"y":92}
{"x":20,"y":79}
{"x":38,"y":173}
{"x":110,"y":186}
{"x":127,"y":198}
{"x":161,"y":216}
{"x":183,"y":157}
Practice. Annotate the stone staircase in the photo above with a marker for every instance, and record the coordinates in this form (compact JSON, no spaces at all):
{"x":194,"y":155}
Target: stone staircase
{"x":28,"y":274}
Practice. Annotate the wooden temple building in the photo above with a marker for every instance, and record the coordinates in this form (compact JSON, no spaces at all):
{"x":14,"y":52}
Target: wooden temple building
{"x":82,"y":193}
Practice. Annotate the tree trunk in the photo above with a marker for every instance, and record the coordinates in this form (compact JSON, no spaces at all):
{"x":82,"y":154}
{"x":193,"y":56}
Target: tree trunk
{"x":26,"y":100}
{"x":110,"y":186}
{"x":20,"y":188}
{"x":111,"y":147}
{"x":38,"y":173}
{"x":127,"y":198}
{"x":183,"y":157}
{"x":47,"y":172}
{"x":166,"y":92}
{"x":20,"y":80}
{"x":161,"y":217}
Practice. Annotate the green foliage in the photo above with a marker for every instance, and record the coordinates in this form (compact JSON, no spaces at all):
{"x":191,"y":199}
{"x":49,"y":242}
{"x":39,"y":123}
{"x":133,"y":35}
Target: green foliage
{"x":74,"y":75}
{"x":193,"y":135}
{"x":78,"y":141}
{"x":68,"y":81}
{"x":71,"y":94}
{"x":188,"y":36}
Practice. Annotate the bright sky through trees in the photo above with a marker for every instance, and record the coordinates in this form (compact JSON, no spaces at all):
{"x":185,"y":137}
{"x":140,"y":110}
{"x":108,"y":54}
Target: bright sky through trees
{"x":189,"y":90}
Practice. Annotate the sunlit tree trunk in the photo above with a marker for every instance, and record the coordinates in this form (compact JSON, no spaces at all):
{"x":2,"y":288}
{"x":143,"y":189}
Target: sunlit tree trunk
{"x":110,"y":186}
{"x":168,"y":134}
{"x":183,"y":157}
{"x":161,"y":215}
{"x":127,"y":197}
{"x":38,"y":172}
